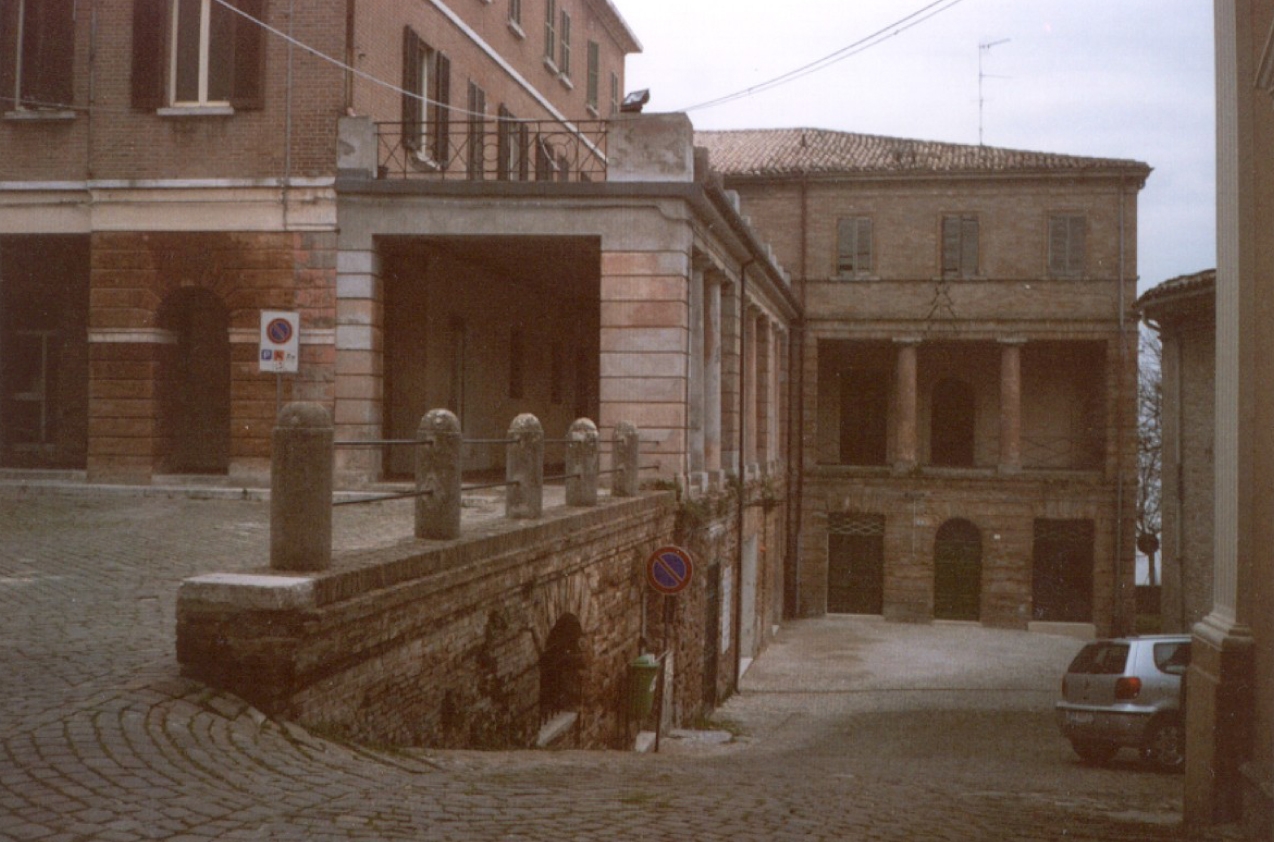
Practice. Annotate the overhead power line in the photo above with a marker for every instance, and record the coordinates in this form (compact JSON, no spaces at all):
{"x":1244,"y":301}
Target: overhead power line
{"x":896,"y":28}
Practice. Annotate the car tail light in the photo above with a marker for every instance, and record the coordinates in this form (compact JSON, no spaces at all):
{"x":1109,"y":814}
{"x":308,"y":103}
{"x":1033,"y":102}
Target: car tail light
{"x":1127,"y":689}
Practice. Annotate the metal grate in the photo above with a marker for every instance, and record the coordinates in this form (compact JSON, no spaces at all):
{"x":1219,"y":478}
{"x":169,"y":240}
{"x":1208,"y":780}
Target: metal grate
{"x":855,"y":524}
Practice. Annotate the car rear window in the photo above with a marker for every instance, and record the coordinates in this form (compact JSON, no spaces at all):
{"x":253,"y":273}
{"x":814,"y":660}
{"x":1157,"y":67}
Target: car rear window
{"x":1172,"y":658}
{"x":1101,"y":659}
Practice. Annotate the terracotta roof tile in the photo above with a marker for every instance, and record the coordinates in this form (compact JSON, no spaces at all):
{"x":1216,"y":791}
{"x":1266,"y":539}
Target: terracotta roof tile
{"x":779,"y":152}
{"x":1178,"y":288}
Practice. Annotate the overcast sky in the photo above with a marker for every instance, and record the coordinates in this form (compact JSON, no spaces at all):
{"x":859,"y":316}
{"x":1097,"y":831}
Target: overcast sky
{"x":1106,"y":78}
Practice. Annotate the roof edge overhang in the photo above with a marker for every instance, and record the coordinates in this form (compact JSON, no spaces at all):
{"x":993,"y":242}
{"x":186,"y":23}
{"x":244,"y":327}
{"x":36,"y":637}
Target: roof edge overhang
{"x":623,"y":32}
{"x":1137,"y":174}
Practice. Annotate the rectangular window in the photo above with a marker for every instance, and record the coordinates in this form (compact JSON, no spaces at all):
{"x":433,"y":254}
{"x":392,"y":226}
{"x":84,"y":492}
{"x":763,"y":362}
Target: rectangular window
{"x":37,"y":52}
{"x":477,"y":131}
{"x":959,"y":246}
{"x":614,"y":94}
{"x":197,"y":53}
{"x":853,"y":246}
{"x":594,"y":75}
{"x":515,"y":13}
{"x":514,"y":148}
{"x":426,"y":100}
{"x":565,"y":36}
{"x":1066,"y":246}
{"x":550,"y":31}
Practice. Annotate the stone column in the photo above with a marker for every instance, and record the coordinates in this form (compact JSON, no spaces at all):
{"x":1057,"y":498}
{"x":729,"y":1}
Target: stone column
{"x":438,"y":471}
{"x":905,"y":433}
{"x":697,"y":367}
{"x":359,"y":380}
{"x":712,"y":374}
{"x":1011,"y":405}
{"x":581,"y":464}
{"x":625,"y":455}
{"x":1219,"y":682}
{"x":524,"y":469}
{"x":301,"y":488}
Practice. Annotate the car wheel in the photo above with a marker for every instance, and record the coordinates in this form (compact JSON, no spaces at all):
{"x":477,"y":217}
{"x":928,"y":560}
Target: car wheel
{"x":1092,"y":751}
{"x":1165,"y":746}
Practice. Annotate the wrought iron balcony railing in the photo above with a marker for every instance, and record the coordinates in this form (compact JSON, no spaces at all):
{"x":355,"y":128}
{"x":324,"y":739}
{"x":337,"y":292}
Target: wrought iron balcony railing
{"x":501,"y":149}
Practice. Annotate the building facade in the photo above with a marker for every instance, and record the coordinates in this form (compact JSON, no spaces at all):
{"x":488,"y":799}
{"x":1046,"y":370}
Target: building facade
{"x":1230,"y":704}
{"x":968,"y":422}
{"x":446,"y":197}
{"x":1182,"y":310}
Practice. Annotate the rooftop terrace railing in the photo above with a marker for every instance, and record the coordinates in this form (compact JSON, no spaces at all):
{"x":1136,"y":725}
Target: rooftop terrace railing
{"x":500,"y":149}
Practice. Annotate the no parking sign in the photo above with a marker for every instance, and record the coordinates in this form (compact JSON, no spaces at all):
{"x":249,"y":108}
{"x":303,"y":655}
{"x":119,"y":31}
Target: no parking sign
{"x":280,"y":341}
{"x":668,"y":570}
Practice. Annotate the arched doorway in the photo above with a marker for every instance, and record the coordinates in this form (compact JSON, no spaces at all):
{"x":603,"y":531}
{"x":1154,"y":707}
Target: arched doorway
{"x":957,"y":571}
{"x":561,"y":667}
{"x":952,"y":426}
{"x":196,"y":383}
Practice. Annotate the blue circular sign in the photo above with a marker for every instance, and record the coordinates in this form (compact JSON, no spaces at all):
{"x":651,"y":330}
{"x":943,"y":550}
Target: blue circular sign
{"x":669,"y":569}
{"x":279,"y":331}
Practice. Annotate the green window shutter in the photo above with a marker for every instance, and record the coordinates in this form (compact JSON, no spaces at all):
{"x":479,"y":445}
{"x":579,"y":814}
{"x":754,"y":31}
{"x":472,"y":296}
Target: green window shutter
{"x":441,"y":110}
{"x":147,"y":82}
{"x":1066,"y":245}
{"x":249,"y":57}
{"x":969,"y":246}
{"x":853,"y":236}
{"x":950,"y":245}
{"x":412,"y":109}
{"x":1077,"y":245}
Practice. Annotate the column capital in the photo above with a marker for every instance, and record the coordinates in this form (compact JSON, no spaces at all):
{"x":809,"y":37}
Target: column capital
{"x":1011,"y":341}
{"x":907,"y":340}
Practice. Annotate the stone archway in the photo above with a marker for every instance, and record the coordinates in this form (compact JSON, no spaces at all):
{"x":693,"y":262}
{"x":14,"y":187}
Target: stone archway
{"x":561,"y":669}
{"x":195,"y":383}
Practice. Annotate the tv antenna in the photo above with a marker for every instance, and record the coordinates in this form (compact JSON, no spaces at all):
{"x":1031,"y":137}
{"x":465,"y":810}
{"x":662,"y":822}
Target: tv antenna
{"x":983,"y":49}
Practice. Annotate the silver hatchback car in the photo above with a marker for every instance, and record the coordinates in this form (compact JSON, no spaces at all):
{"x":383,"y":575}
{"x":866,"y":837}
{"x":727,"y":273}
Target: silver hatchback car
{"x":1127,"y":692}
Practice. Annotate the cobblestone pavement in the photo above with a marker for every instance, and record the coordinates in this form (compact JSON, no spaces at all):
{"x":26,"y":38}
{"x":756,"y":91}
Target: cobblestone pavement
{"x":847,"y":729}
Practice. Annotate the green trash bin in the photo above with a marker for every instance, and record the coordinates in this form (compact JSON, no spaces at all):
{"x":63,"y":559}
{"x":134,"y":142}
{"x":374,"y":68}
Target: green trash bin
{"x":643,"y":675}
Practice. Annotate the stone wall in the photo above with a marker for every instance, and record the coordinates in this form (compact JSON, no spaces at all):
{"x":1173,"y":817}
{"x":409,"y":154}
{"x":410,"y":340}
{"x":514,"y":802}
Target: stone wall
{"x":438,"y":643}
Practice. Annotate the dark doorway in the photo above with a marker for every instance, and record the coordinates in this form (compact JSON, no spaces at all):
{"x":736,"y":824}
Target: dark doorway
{"x":864,"y":416}
{"x":1062,"y":561}
{"x":44,"y":284}
{"x":957,"y":571}
{"x":855,"y":564}
{"x":197,"y":395}
{"x":561,"y":666}
{"x":954,"y":415}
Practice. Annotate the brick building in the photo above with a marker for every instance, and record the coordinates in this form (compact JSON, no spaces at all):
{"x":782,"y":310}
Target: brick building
{"x":446,"y":194}
{"x":1183,"y":311}
{"x":968,"y":416}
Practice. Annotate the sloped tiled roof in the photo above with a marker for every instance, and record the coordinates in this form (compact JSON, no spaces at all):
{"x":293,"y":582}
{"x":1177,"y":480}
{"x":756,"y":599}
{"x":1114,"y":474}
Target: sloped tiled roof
{"x":786,"y":152}
{"x":1177,"y":289}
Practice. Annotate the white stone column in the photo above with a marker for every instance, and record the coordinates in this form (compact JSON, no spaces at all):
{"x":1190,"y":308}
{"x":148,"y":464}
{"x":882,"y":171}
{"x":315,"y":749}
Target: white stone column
{"x":712,"y":373}
{"x":359,"y":346}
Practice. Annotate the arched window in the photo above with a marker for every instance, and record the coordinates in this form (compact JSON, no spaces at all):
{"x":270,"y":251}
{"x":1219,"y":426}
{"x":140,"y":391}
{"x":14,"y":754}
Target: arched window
{"x":952,"y":424}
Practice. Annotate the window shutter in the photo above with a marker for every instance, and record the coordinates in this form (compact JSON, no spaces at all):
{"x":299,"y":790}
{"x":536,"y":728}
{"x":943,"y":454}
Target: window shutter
{"x":442,"y":110}
{"x":1058,"y":234}
{"x":411,"y":83}
{"x":8,"y":52}
{"x":950,"y":245}
{"x":969,"y":247}
{"x":148,"y":53}
{"x":249,"y":57}
{"x":862,"y":253}
{"x":1076,"y":252}
{"x":845,"y":246}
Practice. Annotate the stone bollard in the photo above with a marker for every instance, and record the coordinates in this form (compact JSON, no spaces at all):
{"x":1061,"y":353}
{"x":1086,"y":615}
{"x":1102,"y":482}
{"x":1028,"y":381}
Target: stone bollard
{"x":301,"y":488}
{"x":581,"y":464}
{"x":438,"y":470}
{"x":625,"y":454}
{"x":524,"y":469}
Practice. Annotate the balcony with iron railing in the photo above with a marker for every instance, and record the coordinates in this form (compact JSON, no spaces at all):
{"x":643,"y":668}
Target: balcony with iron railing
{"x":500,"y":150}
